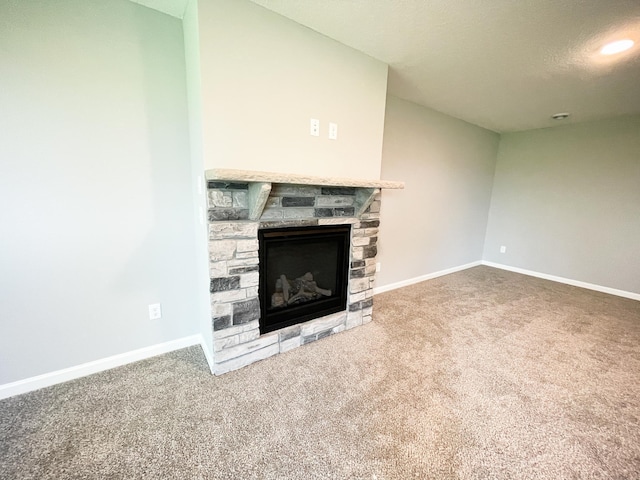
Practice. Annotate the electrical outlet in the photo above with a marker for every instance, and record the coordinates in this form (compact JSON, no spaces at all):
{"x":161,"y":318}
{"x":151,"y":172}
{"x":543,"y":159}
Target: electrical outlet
{"x":333,"y":131}
{"x":503,"y":249}
{"x":378,"y":267}
{"x":155,"y":311}
{"x":314,"y":127}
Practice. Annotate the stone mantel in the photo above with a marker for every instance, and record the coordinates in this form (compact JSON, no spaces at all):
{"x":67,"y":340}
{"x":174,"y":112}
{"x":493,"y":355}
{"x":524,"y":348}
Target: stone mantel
{"x":260,"y":183}
{"x":223,"y":174}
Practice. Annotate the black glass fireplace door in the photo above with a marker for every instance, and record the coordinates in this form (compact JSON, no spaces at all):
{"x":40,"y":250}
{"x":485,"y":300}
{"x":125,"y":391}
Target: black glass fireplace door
{"x":303,"y":274}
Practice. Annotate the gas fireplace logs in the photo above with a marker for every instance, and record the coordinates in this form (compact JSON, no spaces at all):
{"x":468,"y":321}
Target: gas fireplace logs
{"x":300,"y":290}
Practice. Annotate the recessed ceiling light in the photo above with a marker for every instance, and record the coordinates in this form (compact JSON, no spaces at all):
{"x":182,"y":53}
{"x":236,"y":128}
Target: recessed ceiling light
{"x":616,"y":47}
{"x":560,"y":116}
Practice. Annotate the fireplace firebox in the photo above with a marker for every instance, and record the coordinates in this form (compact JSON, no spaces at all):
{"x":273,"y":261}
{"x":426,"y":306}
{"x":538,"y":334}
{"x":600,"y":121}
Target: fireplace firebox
{"x":303,"y":274}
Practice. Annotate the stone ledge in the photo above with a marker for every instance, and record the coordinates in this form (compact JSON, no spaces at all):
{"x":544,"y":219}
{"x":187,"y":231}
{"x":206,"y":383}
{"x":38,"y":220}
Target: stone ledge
{"x":273,"y":177}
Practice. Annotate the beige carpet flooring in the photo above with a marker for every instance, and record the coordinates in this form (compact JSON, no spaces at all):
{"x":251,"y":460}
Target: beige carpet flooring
{"x":482,"y":374}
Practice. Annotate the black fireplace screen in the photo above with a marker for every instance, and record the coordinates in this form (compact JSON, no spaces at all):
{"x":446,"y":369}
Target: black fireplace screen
{"x":303,"y":274}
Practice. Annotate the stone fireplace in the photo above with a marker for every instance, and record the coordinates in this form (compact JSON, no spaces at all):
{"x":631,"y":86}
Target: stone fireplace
{"x":243,"y":208}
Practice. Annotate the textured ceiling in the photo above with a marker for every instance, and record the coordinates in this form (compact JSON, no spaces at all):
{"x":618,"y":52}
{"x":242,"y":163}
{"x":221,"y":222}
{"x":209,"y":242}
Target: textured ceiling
{"x":502,"y":64}
{"x":505,"y":65}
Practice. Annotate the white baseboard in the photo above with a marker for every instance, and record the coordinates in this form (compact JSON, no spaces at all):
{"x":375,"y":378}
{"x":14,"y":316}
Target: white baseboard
{"x":568,"y":281}
{"x":208,"y":354}
{"x":422,"y":278}
{"x":46,"y":380}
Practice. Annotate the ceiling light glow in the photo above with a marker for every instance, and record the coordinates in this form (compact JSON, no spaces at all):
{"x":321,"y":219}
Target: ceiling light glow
{"x":616,"y":47}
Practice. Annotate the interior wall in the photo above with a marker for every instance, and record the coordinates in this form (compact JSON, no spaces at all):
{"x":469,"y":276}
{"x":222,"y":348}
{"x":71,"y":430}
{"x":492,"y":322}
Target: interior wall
{"x":438,"y":221}
{"x":566,"y":202}
{"x":264,"y":77}
{"x":96,"y":219}
{"x":194,"y":95}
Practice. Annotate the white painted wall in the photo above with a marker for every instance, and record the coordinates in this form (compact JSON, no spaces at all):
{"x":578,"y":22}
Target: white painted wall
{"x":264,"y":76}
{"x":566,"y":202}
{"x":201,"y":300}
{"x":96,"y":216}
{"x":438,"y":221}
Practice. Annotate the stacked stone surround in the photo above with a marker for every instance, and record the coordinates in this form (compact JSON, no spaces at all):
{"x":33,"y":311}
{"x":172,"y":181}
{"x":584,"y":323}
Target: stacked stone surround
{"x":234,"y":221}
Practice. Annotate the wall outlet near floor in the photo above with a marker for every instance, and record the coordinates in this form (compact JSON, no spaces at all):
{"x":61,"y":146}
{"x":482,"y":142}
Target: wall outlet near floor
{"x":378,"y":267}
{"x":155,"y":311}
{"x":503,"y":249}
